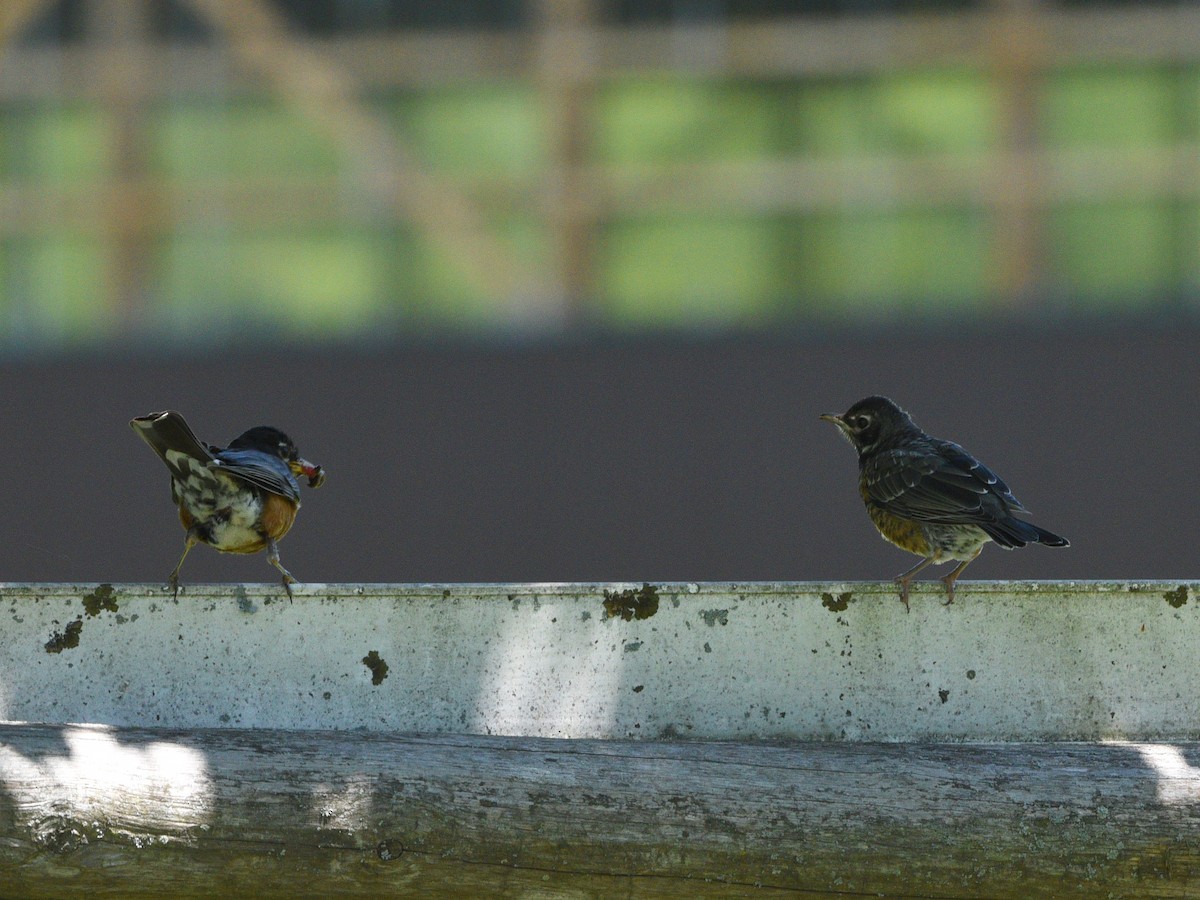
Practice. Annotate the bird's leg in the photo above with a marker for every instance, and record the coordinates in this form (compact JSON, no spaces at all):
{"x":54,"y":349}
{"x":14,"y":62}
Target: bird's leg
{"x":173,"y":580}
{"x":904,"y":579}
{"x":273,"y":559}
{"x":949,"y":580}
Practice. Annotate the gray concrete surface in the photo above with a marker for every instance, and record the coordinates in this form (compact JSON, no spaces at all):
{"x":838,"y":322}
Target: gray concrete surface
{"x":715,"y":661}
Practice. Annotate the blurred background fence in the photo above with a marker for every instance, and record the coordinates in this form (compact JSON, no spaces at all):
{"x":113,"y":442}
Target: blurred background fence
{"x":555,"y":289}
{"x":330,"y":168}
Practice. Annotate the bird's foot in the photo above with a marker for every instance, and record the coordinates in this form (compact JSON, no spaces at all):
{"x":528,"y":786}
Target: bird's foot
{"x":949,"y":582}
{"x":273,"y":559}
{"x":904,"y":579}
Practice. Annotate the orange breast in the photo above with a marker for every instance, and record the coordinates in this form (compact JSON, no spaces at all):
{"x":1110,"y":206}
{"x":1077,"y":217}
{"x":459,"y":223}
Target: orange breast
{"x":278,"y":515}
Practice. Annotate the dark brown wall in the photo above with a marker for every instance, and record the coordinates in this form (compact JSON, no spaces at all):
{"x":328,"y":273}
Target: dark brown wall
{"x":608,"y":460}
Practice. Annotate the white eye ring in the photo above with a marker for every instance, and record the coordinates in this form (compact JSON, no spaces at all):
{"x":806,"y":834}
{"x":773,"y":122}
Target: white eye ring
{"x":862,"y":421}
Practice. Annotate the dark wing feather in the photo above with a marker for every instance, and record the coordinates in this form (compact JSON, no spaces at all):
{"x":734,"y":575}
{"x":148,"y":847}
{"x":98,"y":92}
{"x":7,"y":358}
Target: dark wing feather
{"x":961,"y":459}
{"x":270,"y":473}
{"x":937,"y":482}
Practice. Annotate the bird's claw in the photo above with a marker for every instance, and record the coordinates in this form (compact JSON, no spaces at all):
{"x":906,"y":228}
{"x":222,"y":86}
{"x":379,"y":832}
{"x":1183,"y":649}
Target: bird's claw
{"x":949,"y":583}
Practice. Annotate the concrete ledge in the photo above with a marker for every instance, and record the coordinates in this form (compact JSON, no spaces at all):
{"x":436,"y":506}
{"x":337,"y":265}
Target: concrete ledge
{"x":275,"y":764}
{"x":759,"y":661}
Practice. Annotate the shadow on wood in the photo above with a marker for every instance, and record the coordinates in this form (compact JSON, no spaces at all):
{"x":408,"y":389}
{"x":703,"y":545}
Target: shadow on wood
{"x":95,"y":809}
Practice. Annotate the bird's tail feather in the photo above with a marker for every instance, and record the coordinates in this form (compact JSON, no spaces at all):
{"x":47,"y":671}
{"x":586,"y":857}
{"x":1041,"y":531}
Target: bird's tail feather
{"x":168,"y":430}
{"x":1013,"y":532}
{"x":1050,"y":539}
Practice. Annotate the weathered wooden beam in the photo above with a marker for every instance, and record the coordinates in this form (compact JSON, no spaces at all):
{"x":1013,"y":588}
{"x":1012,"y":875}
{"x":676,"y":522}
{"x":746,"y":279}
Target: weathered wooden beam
{"x":100,"y":811}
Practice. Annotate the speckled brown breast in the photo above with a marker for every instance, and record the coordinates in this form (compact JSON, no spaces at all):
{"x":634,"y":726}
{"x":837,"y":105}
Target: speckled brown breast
{"x":904,"y":533}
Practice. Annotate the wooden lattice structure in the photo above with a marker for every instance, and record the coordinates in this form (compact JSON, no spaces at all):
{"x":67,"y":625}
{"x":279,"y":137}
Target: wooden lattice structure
{"x":567,"y":51}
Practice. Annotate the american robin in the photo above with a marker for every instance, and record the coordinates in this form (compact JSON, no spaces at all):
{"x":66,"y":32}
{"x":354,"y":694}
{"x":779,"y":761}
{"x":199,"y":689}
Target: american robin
{"x":928,"y":496}
{"x":239,"y":500}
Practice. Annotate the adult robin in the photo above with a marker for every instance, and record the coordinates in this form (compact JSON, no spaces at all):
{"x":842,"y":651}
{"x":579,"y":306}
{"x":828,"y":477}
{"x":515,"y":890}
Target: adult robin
{"x":241,"y":499}
{"x":928,"y":496}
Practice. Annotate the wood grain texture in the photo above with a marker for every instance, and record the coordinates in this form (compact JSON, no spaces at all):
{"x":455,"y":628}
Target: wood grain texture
{"x":125,"y":812}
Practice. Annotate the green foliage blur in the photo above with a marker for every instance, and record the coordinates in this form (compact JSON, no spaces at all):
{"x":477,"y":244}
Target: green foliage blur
{"x":349,"y":270}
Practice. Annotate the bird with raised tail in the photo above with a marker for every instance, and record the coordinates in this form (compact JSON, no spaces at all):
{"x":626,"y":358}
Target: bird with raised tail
{"x":240,"y":499}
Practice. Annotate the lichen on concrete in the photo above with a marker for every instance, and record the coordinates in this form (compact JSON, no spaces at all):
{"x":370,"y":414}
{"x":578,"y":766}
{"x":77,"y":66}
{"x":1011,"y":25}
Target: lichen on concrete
{"x":838,"y":603}
{"x":1177,"y":597}
{"x":102,"y":598}
{"x":66,"y":639}
{"x":631,"y":604}
{"x":379,"y":668}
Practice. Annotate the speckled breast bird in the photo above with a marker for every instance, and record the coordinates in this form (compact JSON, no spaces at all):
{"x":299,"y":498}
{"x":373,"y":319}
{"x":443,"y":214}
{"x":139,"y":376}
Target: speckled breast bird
{"x":928,"y":496}
{"x":240,"y":499}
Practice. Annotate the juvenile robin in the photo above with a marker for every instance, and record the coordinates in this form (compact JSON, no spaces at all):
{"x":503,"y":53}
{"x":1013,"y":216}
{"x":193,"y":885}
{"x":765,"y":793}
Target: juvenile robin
{"x":928,"y":496}
{"x":240,"y":499}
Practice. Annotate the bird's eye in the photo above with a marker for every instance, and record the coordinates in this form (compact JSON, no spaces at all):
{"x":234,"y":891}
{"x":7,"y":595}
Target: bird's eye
{"x":862,"y":421}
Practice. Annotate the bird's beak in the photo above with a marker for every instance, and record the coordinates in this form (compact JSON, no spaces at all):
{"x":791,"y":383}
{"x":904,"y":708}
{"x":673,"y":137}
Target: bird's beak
{"x":843,"y":427}
{"x":314,"y":473}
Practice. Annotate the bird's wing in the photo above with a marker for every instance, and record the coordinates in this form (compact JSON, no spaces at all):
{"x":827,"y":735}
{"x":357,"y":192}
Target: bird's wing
{"x":940,"y":483}
{"x":957,"y":456}
{"x":270,"y":473}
